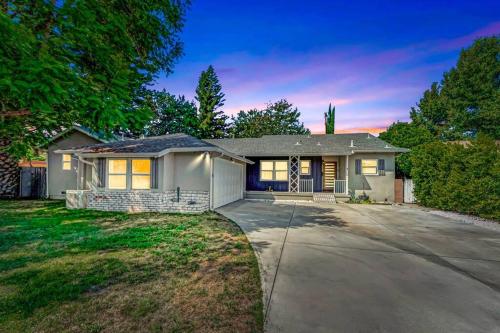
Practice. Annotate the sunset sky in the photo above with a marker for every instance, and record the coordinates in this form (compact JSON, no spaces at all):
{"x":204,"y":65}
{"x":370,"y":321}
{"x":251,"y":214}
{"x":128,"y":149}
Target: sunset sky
{"x":371,"y":59}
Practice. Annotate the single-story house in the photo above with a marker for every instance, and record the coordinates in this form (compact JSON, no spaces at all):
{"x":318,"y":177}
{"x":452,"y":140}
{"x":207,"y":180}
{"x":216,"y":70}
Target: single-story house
{"x":180,"y":173}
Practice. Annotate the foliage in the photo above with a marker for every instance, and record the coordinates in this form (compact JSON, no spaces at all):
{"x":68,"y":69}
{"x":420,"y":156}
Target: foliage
{"x":330,"y":120}
{"x":171,"y":115}
{"x":63,"y":62}
{"x":467,"y":101}
{"x":277,"y":118}
{"x":212,"y":122}
{"x":406,"y":135}
{"x":123,"y":272}
{"x":457,"y":177}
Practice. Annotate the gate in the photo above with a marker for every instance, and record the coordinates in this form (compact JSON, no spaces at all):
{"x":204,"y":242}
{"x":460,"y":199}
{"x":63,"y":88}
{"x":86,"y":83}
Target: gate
{"x":408,"y":191}
{"x":33,"y":183}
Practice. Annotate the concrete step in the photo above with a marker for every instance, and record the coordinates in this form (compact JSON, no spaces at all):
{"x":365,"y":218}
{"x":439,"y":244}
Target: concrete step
{"x":324,"y":197}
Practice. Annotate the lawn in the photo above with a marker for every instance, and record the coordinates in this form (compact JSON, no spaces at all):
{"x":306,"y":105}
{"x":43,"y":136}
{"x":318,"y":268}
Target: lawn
{"x":87,"y":271}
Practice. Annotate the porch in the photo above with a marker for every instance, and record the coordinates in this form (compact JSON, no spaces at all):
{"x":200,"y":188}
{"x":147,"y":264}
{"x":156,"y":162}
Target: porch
{"x":297,"y":177}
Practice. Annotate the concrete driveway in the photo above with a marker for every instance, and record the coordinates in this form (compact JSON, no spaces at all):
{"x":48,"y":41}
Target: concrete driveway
{"x":371,"y":268}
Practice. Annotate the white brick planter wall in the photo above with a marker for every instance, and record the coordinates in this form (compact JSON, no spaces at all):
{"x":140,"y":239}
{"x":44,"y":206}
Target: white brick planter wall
{"x":145,"y":201}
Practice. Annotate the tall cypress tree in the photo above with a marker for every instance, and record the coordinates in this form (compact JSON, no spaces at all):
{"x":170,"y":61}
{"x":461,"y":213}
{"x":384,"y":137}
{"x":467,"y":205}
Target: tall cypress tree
{"x":330,"y":120}
{"x":213,"y":122}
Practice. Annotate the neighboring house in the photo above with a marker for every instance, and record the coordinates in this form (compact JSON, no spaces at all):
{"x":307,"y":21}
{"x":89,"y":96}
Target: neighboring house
{"x":63,"y":170}
{"x":179,"y":173}
{"x":170,"y":173}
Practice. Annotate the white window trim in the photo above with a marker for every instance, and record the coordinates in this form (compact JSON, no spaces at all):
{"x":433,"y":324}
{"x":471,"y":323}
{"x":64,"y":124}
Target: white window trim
{"x":64,"y":162}
{"x":274,"y":171}
{"x":376,"y":167}
{"x":309,"y":168}
{"x":140,"y":174}
{"x":128,"y":175}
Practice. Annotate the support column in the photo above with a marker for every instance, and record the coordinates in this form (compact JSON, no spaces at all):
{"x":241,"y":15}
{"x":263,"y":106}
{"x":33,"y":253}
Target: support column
{"x":347,"y":174}
{"x":294,"y":174}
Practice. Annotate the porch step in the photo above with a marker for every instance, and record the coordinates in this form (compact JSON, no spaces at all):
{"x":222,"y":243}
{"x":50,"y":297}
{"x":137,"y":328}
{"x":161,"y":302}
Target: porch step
{"x":324,"y":197}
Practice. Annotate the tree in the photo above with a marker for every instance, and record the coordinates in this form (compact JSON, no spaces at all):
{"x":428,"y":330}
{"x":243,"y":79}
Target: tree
{"x":212,"y":122}
{"x":467,"y":100}
{"x":171,"y":115}
{"x":406,"y":135}
{"x":330,"y":120}
{"x":63,"y":62}
{"x":277,"y":118}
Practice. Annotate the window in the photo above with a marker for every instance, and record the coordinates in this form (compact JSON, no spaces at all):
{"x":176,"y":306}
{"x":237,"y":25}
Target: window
{"x":66,"y":162}
{"x":141,"y":174}
{"x":117,"y":171}
{"x":273,"y":170}
{"x":369,"y":167}
{"x":305,"y":167}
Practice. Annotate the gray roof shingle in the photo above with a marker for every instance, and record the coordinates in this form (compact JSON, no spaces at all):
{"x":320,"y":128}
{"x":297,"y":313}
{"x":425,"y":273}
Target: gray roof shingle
{"x":316,"y":144}
{"x":154,"y":144}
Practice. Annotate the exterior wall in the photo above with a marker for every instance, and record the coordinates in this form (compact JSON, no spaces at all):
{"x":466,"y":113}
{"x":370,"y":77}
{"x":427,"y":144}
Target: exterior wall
{"x":60,"y":180}
{"x":191,"y":171}
{"x":378,"y":188}
{"x":316,"y":172}
{"x":140,"y":201}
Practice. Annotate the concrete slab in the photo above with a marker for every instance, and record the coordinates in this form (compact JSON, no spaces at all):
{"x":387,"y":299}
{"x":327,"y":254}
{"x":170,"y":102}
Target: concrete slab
{"x":367,"y":268}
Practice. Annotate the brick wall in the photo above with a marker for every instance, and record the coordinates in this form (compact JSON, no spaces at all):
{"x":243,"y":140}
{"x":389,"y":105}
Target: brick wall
{"x":142,"y":201}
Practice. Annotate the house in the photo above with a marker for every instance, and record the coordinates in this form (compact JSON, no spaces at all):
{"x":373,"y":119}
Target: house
{"x":63,"y":169}
{"x":170,"y":173}
{"x":327,"y":167}
{"x":179,"y":173}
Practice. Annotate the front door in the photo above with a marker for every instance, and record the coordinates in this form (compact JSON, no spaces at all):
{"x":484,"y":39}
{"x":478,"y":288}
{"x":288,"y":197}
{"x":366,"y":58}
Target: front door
{"x":329,"y":173}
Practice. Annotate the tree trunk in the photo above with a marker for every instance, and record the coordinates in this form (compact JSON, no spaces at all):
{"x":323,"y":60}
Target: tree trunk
{"x":9,"y":174}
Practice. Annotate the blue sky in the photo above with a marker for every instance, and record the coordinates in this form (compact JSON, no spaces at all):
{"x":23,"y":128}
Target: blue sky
{"x":371,"y":59}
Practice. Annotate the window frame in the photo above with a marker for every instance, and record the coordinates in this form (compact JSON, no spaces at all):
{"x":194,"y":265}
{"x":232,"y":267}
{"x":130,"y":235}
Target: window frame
{"x":376,"y":167}
{"x":126,"y":174}
{"x":132,"y":174}
{"x":274,"y":171}
{"x":308,"y":168}
{"x":64,"y":163}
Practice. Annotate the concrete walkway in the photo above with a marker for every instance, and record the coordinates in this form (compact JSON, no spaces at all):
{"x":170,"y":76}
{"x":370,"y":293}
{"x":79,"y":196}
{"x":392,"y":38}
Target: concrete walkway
{"x":367,"y":268}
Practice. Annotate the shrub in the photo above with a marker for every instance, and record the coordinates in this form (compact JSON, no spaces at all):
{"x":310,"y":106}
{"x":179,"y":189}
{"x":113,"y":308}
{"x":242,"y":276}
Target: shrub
{"x":459,"y":178}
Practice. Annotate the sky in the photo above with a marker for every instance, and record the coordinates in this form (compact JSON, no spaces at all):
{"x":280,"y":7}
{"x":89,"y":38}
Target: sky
{"x":371,"y":59}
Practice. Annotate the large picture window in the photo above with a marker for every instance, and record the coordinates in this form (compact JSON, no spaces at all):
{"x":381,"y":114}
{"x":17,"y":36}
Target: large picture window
{"x":117,"y":173}
{"x":273,"y":170}
{"x":369,"y":167}
{"x":141,"y":174}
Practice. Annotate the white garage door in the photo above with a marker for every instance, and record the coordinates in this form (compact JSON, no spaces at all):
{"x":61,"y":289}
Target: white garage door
{"x":227,"y":182}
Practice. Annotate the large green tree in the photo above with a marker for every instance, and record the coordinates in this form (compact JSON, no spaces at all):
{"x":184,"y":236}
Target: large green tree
{"x":277,"y":118}
{"x":83,"y":61}
{"x":171,"y":115}
{"x":212,"y":120}
{"x":330,"y":120}
{"x":406,"y":135}
{"x":467,"y":101}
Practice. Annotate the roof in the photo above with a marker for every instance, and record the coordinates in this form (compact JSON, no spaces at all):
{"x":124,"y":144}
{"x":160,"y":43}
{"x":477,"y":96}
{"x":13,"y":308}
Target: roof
{"x":150,"y":146}
{"x":99,"y":136}
{"x":307,"y":145}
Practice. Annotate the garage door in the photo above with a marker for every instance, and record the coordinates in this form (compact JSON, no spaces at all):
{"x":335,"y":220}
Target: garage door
{"x":227,"y":182}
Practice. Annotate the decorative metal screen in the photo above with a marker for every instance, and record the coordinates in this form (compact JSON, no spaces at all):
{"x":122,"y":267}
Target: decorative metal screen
{"x":294,"y":173}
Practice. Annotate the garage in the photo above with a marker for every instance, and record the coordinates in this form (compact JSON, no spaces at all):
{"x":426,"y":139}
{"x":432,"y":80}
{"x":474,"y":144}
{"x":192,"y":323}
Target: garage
{"x":227,"y":182}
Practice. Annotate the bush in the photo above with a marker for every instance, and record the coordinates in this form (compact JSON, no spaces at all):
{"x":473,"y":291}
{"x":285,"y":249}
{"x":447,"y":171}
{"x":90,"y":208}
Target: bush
{"x":461,"y":178}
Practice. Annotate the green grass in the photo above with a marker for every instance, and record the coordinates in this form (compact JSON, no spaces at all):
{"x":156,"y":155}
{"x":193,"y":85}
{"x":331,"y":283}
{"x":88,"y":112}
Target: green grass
{"x":90,"y":271}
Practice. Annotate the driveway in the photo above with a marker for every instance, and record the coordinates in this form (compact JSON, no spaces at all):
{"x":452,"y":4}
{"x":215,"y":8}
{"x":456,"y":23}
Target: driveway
{"x":372,"y":268}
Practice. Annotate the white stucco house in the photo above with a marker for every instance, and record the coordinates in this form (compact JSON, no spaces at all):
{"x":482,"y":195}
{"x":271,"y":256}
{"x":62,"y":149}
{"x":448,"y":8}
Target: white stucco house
{"x":180,"y":173}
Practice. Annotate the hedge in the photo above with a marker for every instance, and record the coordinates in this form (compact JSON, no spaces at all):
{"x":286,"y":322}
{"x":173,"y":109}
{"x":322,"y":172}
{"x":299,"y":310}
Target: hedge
{"x":460,"y":178}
